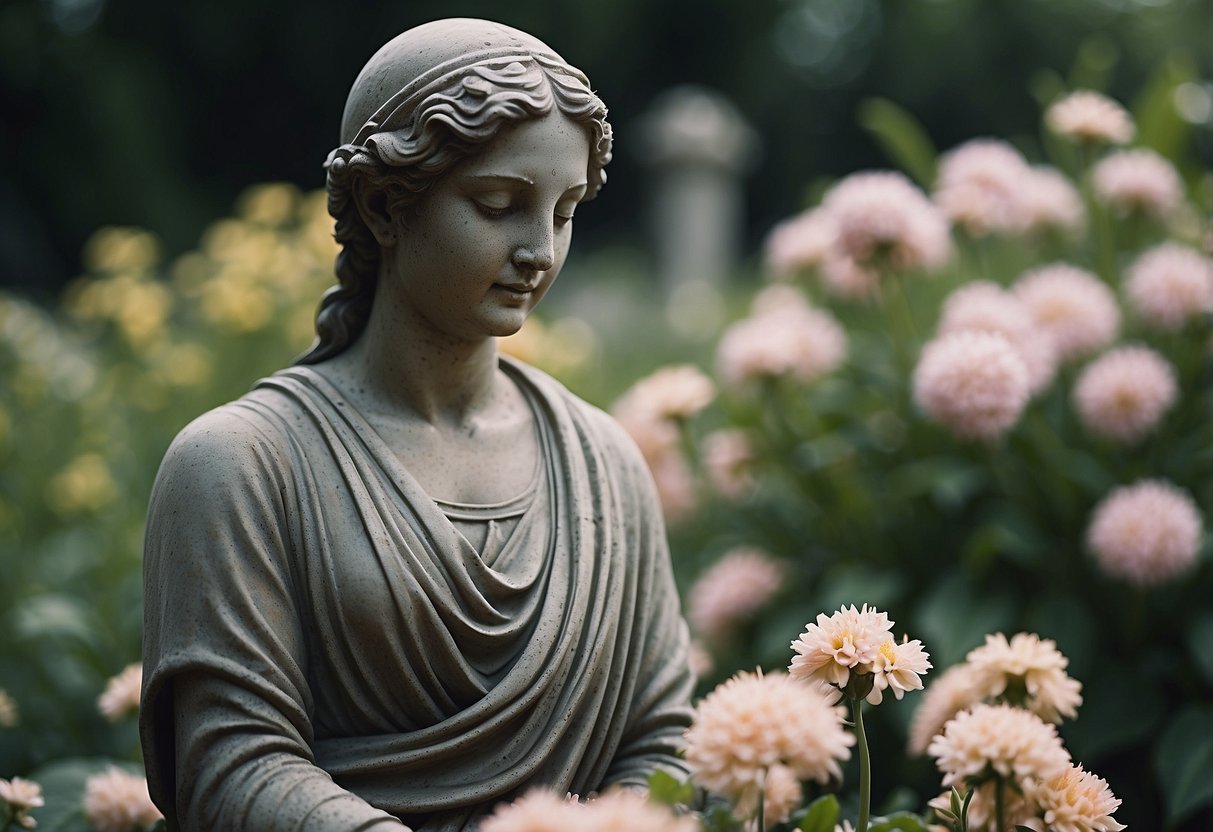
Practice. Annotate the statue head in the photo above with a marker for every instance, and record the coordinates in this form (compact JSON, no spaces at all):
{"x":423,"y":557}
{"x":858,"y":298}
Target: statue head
{"x":430,"y":98}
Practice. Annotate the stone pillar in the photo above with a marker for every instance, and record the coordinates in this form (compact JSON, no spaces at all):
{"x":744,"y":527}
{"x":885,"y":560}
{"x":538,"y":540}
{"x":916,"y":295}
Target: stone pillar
{"x":697,"y":148}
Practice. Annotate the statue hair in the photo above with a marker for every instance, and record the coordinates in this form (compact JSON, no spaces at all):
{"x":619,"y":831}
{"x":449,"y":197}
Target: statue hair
{"x":449,"y":125}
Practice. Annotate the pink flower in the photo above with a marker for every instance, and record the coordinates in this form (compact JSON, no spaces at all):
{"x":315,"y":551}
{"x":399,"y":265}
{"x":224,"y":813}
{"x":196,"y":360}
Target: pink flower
{"x":1146,"y":533}
{"x":843,"y":278}
{"x":1072,"y":306}
{"x":1013,"y":742}
{"x":1169,"y":285}
{"x":1052,"y":203}
{"x":782,"y":793}
{"x":980,"y":187}
{"x":1030,"y":666}
{"x":800,"y":242}
{"x":1087,"y":116}
{"x":731,"y":590}
{"x":953,"y":691}
{"x":796,"y":340}
{"x":1078,"y":801}
{"x":675,"y":485}
{"x":1138,"y":181}
{"x":753,"y":722}
{"x":973,"y":383}
{"x":898,"y":667}
{"x":882,"y":219}
{"x":619,"y":809}
{"x":117,"y":801}
{"x":121,"y":696}
{"x":984,"y":306}
{"x":727,"y":459}
{"x":1124,"y":394}
{"x":539,"y":810}
{"x":676,"y":392}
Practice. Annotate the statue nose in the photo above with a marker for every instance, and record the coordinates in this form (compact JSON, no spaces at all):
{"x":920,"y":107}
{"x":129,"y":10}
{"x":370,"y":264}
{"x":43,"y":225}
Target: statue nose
{"x":538,"y":254}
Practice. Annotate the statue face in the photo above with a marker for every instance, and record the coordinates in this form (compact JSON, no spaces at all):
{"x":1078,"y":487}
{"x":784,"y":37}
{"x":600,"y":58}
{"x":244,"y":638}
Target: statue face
{"x":489,"y":238}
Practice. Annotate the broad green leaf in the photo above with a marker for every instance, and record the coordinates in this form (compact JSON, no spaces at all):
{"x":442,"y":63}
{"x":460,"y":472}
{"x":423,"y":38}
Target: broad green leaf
{"x":901,"y":137}
{"x":1182,"y":762}
{"x":822,"y":815}
{"x":899,"y":822}
{"x":667,"y":789}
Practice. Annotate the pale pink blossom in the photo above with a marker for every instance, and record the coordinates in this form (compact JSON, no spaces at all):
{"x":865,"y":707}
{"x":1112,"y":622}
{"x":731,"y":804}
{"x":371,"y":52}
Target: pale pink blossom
{"x":675,"y":485}
{"x":848,"y":641}
{"x":539,"y":810}
{"x":800,"y":242}
{"x":625,"y":810}
{"x":983,"y":305}
{"x":732,"y":590}
{"x":1170,"y":285}
{"x":1073,"y":307}
{"x":121,"y":696}
{"x":980,"y":187}
{"x":1123,"y":394}
{"x":118,"y":801}
{"x":1147,"y":533}
{"x":1029,"y":664}
{"x":983,"y":811}
{"x":1138,"y":181}
{"x":797,"y":341}
{"x":782,"y":794}
{"x":883,"y":220}
{"x":754,"y":722}
{"x":899,"y":668}
{"x":778,"y":298}
{"x":1052,"y":203}
{"x":1078,"y":801}
{"x":1013,"y":742}
{"x":675,"y":392}
{"x":728,"y":459}
{"x":953,"y":691}
{"x":843,"y":278}
{"x":700,"y":659}
{"x":973,"y":383}
{"x":20,"y":794}
{"x":1087,"y":116}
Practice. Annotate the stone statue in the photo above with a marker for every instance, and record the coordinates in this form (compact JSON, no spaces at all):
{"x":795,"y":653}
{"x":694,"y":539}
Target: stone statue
{"x":409,"y":578}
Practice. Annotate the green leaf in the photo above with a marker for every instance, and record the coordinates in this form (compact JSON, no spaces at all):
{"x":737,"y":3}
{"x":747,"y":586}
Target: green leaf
{"x":1200,"y":643}
{"x":1159,"y":125}
{"x":667,"y":789}
{"x":1182,"y":762}
{"x":821,"y":816}
{"x":898,"y":822}
{"x":901,"y":137}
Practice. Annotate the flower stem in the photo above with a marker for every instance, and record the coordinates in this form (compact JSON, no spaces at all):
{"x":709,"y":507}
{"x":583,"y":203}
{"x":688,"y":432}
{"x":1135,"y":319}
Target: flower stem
{"x":865,"y":768}
{"x":762,"y":806}
{"x":999,"y":809}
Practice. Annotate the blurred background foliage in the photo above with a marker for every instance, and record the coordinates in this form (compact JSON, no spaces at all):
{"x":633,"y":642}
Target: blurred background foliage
{"x":131,"y":126}
{"x":156,"y":115}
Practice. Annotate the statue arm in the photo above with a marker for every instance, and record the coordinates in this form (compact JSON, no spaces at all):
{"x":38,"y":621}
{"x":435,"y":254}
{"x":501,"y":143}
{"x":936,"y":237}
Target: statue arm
{"x":660,"y":711}
{"x":226,"y":712}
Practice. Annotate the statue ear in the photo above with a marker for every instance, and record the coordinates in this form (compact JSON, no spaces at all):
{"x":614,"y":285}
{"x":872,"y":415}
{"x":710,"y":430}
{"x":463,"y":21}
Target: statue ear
{"x":374,"y":208}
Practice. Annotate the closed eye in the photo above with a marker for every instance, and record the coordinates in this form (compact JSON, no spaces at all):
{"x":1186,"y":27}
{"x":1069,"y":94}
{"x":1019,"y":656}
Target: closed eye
{"x":494,"y":212}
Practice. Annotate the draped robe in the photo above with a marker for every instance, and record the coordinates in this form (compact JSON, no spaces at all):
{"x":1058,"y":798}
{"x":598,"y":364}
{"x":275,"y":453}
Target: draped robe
{"x":351,"y":662}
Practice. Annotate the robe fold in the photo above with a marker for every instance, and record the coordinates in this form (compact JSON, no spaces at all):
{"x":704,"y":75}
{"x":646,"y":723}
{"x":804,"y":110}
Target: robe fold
{"x":324,"y":650}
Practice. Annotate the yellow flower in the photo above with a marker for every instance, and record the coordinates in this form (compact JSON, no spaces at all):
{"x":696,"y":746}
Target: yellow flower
{"x":115,"y":249}
{"x":84,"y":485}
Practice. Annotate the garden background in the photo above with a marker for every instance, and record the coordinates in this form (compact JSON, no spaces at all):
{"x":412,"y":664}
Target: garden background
{"x":162,"y":244}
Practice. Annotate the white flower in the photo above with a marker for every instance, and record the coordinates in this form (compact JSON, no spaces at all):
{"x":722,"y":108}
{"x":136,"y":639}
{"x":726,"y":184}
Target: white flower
{"x":953,"y":691}
{"x":1074,"y":308}
{"x":795,"y":340}
{"x":1013,"y":742}
{"x":121,"y":696}
{"x":882,"y":219}
{"x":898,"y":667}
{"x":981,"y":187}
{"x":1089,"y":116}
{"x":539,"y":810}
{"x":1033,"y":666}
{"x":1138,"y":181}
{"x":1170,"y":285}
{"x":800,"y":242}
{"x":1146,"y":533}
{"x":117,"y":801}
{"x":973,"y":383}
{"x":1078,"y":801}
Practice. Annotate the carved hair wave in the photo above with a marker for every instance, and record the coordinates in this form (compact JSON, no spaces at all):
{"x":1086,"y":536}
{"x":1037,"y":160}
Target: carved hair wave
{"x":449,"y":125}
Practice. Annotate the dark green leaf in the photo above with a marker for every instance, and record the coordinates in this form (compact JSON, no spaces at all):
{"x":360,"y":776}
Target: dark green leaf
{"x":899,"y":822}
{"x":821,"y":816}
{"x":901,"y":137}
{"x":1182,"y":762}
{"x":1200,"y":643}
{"x":667,"y":789}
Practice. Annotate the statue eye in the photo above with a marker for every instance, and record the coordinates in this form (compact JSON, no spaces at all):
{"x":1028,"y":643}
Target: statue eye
{"x":493,"y":211}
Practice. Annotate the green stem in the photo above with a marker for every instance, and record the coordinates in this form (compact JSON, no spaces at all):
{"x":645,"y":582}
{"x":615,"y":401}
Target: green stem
{"x":762,"y":805}
{"x":865,"y":768}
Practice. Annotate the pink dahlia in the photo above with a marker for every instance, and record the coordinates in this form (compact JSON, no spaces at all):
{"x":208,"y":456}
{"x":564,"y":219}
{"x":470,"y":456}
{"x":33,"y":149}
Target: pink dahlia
{"x":986,"y":307}
{"x":118,"y":801}
{"x":973,"y":383}
{"x":731,"y":590}
{"x":981,"y":187}
{"x":1052,"y":203}
{"x":675,"y":392}
{"x":1015,"y":743}
{"x":797,"y":341}
{"x":728,"y":458}
{"x":882,"y":219}
{"x":1078,"y":801}
{"x":539,"y":810}
{"x":1073,"y":307}
{"x":843,"y":278}
{"x":1124,"y":394}
{"x":1170,"y":285}
{"x":952,"y":692}
{"x":625,"y":810}
{"x":1031,"y":669}
{"x":800,"y":242}
{"x":782,"y":794}
{"x":1087,"y":116}
{"x":121,"y":696}
{"x":1138,"y":181}
{"x":754,"y":722}
{"x":1146,"y":533}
